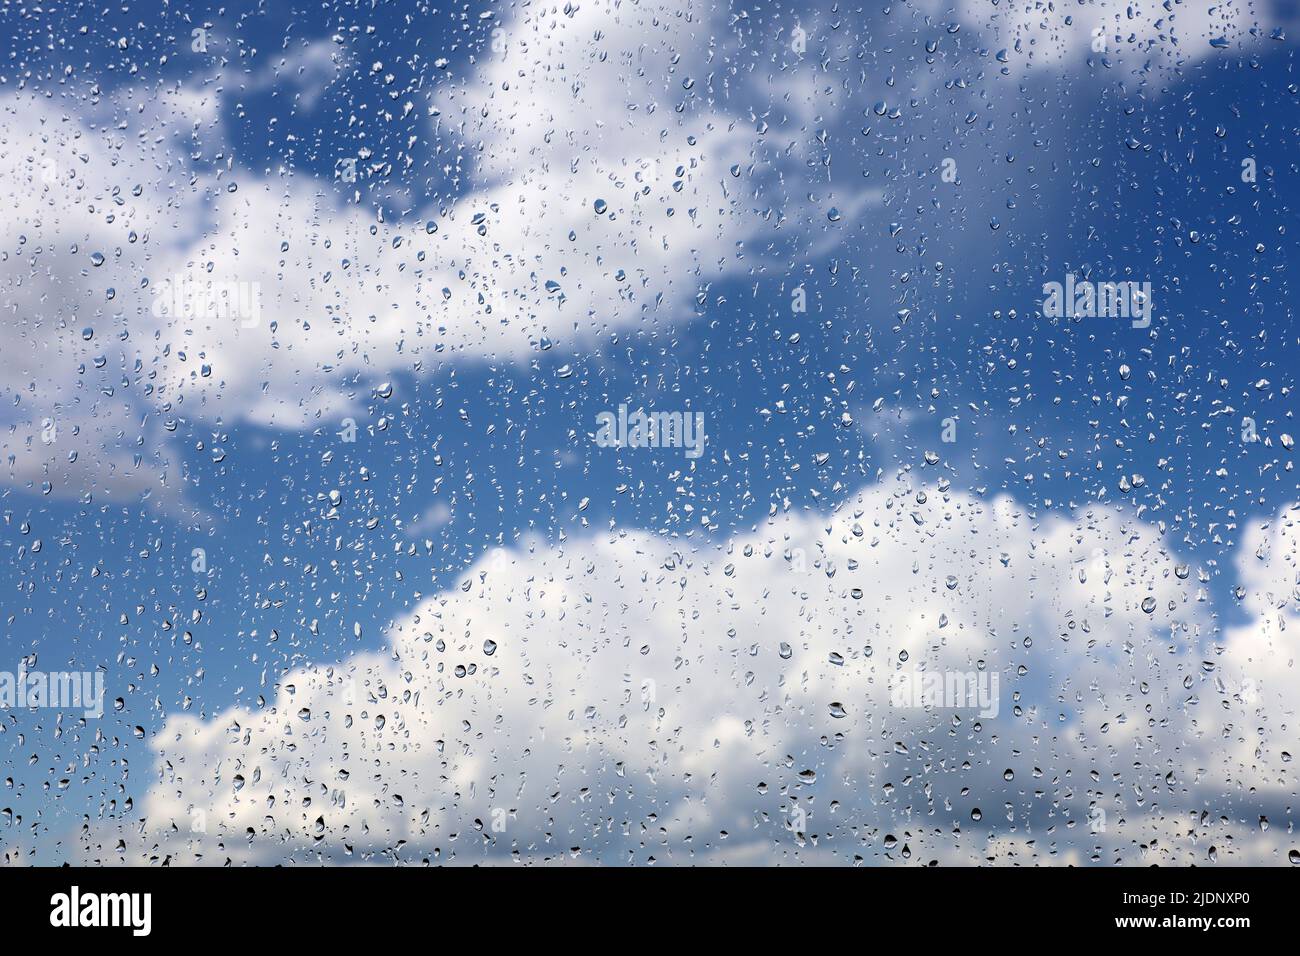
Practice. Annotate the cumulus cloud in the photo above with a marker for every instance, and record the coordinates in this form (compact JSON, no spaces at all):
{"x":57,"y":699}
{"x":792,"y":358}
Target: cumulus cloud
{"x":1255,"y":664}
{"x":625,"y":699}
{"x":613,"y":182}
{"x":88,"y":207}
{"x":605,"y":198}
{"x":620,"y":164}
{"x":1030,"y":33}
{"x":306,"y":70}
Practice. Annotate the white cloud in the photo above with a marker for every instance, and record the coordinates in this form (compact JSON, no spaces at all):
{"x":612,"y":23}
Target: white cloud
{"x":554,"y":123}
{"x":305,"y":70}
{"x":433,"y":518}
{"x":632,"y":105}
{"x":85,"y":207}
{"x":1255,"y":665}
{"x":1035,"y":33}
{"x":1103,"y":704}
{"x":556,"y":126}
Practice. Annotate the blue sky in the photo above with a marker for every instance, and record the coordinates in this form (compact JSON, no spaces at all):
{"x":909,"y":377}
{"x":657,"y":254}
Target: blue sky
{"x":475,"y":388}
